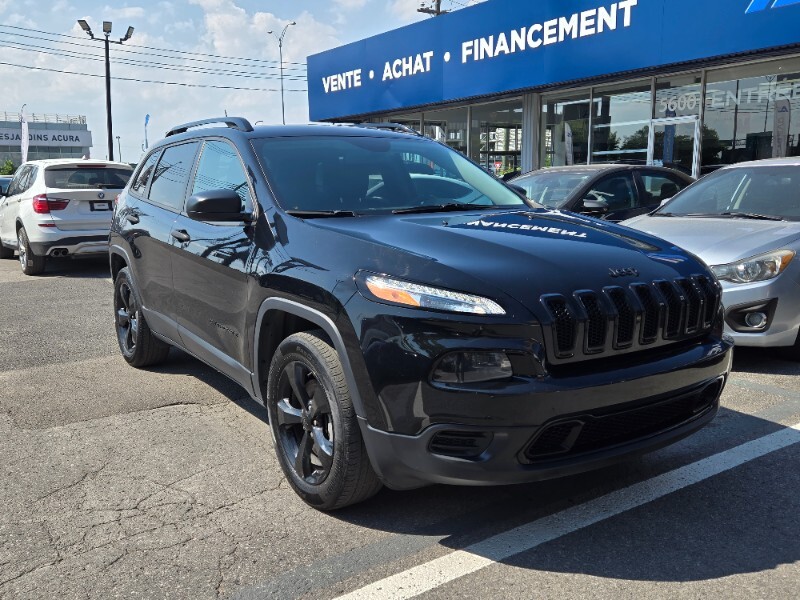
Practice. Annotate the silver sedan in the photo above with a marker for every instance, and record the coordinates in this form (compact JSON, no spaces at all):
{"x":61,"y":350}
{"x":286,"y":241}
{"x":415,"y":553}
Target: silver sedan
{"x":744,"y":221}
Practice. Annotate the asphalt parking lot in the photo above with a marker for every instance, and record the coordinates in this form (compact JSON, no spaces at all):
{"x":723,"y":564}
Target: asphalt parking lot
{"x":162,"y":483}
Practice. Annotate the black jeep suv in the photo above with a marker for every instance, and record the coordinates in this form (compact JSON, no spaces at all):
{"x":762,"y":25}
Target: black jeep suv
{"x":405,"y":317}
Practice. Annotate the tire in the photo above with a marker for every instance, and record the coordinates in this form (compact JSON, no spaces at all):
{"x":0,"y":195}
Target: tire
{"x":314,"y":426}
{"x":5,"y":252}
{"x":792,"y":352}
{"x":32,"y":264}
{"x":138,"y":345}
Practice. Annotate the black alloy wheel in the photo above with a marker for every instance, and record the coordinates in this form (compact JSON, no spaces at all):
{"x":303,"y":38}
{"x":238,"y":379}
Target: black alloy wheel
{"x":314,"y":425}
{"x":305,"y":423}
{"x":127,"y":318}
{"x":136,"y":342}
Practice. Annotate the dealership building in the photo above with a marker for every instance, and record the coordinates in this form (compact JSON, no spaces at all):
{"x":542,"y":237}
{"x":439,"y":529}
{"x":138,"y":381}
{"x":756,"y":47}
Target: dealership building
{"x":49,"y":136}
{"x":521,"y":84}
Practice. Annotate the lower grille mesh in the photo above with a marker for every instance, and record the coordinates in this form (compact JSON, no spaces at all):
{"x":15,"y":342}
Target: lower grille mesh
{"x":591,"y":433}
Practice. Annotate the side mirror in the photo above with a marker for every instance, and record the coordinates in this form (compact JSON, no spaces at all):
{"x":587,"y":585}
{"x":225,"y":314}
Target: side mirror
{"x":217,"y":205}
{"x":594,"y":207}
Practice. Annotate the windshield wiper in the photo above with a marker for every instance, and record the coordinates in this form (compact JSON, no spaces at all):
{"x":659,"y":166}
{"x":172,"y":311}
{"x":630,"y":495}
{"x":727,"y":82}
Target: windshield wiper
{"x":749,"y":215}
{"x":698,"y":215}
{"x":310,"y":214}
{"x":450,"y":206}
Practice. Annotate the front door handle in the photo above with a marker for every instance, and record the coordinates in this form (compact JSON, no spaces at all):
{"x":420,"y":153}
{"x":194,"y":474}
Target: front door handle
{"x":180,"y":235}
{"x":133,"y":219}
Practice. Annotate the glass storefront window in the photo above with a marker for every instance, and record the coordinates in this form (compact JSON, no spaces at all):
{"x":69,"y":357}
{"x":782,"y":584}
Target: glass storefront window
{"x":564,"y":118}
{"x":621,"y":122}
{"x":496,"y":136}
{"x":678,"y":96}
{"x":448,"y":126}
{"x":752,"y":112}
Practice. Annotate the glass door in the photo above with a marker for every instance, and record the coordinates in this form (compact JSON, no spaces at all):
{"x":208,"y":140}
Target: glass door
{"x":675,"y":142}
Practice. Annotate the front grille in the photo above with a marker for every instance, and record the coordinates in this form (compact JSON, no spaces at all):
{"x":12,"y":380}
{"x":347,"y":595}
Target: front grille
{"x":589,"y":433}
{"x":591,"y":324}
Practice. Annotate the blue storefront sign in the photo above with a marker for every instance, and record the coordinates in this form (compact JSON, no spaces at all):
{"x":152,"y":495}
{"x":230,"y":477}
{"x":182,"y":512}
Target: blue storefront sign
{"x":506,"y":45}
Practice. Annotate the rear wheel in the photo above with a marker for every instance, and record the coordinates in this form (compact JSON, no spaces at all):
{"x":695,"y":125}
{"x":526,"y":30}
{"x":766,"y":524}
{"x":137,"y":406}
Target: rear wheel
{"x":32,"y":264}
{"x":136,"y":342}
{"x":316,"y":432}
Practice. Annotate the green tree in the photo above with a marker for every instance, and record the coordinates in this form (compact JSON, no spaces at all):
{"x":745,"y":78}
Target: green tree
{"x":7,"y":168}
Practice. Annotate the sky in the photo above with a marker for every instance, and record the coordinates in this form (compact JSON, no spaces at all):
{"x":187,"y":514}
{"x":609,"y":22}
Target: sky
{"x":50,"y":65}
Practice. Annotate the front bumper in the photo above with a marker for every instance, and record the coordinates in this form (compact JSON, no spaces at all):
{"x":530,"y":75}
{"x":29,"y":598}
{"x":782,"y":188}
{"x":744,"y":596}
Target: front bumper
{"x":784,"y":322}
{"x":601,"y":419}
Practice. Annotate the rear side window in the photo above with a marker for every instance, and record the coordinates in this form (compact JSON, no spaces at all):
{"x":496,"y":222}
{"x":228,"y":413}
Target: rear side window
{"x":15,"y":187}
{"x":659,"y":186}
{"x":143,"y":176}
{"x":88,"y":177}
{"x":171,"y":175}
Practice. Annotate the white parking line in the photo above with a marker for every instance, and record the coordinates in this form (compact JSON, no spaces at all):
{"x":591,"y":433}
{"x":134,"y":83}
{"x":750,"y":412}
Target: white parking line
{"x":435,"y":573}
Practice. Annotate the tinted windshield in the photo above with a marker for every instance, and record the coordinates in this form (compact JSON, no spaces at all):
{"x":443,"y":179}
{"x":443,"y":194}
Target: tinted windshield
{"x":552,"y":188}
{"x":89,"y":177}
{"x":370,"y":174}
{"x":769,"y":191}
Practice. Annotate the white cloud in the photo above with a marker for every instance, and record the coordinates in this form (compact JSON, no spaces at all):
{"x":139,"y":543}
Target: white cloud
{"x":350,"y":4}
{"x":405,"y":10}
{"x":128,"y":12}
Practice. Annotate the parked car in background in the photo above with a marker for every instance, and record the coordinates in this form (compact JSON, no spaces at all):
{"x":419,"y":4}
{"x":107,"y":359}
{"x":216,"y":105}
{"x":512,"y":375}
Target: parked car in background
{"x":611,"y":191}
{"x":59,"y":207}
{"x":405,"y":317}
{"x":744,"y":221}
{"x":4,"y":181}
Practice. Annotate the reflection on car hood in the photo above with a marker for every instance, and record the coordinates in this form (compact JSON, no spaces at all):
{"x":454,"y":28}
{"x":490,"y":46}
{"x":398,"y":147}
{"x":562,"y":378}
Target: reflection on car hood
{"x":723,"y":240}
{"x":523,"y":253}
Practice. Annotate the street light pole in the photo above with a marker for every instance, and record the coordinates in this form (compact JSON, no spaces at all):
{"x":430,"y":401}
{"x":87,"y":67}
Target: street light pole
{"x":280,"y":53}
{"x":106,"y":33}
{"x":119,"y":148}
{"x":108,"y":97}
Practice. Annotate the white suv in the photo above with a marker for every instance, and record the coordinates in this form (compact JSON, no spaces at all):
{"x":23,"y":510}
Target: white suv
{"x":57,"y":208}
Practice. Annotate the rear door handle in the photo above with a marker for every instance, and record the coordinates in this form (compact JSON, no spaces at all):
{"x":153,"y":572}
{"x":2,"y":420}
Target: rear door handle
{"x":180,"y":235}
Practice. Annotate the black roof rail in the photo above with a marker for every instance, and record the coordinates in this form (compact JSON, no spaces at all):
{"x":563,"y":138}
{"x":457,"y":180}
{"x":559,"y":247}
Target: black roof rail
{"x":391,"y":127}
{"x":239,"y":123}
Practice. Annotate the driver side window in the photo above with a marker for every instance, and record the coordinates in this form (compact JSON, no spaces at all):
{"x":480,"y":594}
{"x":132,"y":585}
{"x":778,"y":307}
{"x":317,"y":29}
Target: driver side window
{"x":220,"y":168}
{"x":616,"y":191}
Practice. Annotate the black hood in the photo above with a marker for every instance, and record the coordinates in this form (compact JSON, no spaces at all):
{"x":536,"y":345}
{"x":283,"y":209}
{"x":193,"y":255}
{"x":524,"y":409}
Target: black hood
{"x":523,"y":254}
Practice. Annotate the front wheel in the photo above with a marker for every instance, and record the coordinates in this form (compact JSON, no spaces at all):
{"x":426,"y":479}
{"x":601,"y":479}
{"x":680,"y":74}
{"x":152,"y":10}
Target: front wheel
{"x":314,"y":425}
{"x":136,"y":342}
{"x":32,"y":264}
{"x":792,"y":352}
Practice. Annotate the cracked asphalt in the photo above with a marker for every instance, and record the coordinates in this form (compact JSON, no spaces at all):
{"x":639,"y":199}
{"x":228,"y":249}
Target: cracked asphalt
{"x":162,"y":483}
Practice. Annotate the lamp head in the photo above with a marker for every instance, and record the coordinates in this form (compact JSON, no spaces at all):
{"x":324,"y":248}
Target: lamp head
{"x":107,"y":27}
{"x":128,"y":35}
{"x":85,"y":26}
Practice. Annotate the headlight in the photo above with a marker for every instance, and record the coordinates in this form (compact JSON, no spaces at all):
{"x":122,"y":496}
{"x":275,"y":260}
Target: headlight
{"x":758,"y":268}
{"x":396,"y":291}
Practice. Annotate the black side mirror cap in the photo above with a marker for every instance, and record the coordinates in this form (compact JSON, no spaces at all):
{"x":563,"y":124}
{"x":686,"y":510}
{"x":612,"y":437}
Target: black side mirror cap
{"x":217,"y":205}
